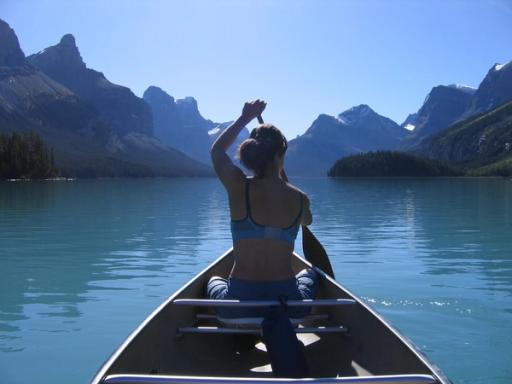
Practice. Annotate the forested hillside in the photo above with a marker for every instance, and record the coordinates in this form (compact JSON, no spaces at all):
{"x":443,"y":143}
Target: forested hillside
{"x":390,"y":164}
{"x":476,"y":142}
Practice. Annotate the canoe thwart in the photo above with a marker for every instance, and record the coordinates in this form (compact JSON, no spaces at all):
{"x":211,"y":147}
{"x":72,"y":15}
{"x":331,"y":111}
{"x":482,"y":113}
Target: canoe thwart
{"x":249,"y":331}
{"x":166,"y":379}
{"x":256,"y":320}
{"x":262,"y":303}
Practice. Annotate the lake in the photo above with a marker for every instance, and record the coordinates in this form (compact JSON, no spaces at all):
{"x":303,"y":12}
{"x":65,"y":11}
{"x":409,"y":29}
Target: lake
{"x":84,"y":262}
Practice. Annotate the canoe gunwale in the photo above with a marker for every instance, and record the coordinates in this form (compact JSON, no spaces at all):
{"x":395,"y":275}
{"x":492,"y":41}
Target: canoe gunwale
{"x":168,"y":379}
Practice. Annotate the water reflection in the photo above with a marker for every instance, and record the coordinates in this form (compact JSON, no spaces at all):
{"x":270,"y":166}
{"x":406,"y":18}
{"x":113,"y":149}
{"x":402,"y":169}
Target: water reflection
{"x":452,"y":225}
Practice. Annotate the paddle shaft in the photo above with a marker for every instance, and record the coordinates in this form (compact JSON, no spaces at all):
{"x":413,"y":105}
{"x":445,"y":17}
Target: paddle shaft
{"x":313,"y":249}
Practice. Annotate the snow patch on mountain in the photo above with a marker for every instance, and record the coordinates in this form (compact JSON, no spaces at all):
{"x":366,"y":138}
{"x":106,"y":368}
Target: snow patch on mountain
{"x":464,"y":88}
{"x":214,"y":131}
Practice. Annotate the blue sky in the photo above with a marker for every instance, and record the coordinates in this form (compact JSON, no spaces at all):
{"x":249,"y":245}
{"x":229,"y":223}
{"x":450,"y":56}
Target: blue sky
{"x":303,"y":57}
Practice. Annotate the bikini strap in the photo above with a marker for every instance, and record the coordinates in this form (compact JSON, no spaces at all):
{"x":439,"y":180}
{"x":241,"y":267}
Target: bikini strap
{"x":247,"y":203}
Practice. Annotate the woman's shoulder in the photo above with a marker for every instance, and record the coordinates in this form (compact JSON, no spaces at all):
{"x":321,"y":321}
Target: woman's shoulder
{"x":297,"y":190}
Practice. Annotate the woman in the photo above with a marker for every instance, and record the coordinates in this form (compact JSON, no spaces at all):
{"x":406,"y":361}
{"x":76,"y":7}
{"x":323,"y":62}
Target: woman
{"x":266,"y":212}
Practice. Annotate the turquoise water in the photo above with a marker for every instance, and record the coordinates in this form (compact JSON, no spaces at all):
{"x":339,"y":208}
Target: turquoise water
{"x":83,"y":262}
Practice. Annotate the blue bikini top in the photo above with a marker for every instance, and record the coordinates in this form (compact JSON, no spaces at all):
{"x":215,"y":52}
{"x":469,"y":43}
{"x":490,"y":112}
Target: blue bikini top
{"x":247,"y":228}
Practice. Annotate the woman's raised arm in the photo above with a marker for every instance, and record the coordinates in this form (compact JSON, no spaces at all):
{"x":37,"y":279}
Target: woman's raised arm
{"x":228,"y":172}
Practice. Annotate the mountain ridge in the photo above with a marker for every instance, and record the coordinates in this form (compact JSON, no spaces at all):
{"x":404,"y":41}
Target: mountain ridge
{"x":117,"y":105}
{"x":82,"y":139}
{"x":178,"y":123}
{"x":445,"y":105}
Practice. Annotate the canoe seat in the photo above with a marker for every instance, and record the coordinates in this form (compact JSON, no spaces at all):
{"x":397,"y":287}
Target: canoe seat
{"x":262,"y":303}
{"x":167,"y":379}
{"x":252,"y":325}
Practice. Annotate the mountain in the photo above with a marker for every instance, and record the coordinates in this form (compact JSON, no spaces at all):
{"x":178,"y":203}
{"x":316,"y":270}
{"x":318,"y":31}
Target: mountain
{"x":446,"y":105}
{"x":116,"y":105}
{"x":84,"y":141}
{"x":30,"y":100}
{"x":11,"y":53}
{"x":494,"y":90}
{"x":443,"y":106}
{"x":179,"y":124}
{"x":476,"y":141}
{"x":359,"y":129}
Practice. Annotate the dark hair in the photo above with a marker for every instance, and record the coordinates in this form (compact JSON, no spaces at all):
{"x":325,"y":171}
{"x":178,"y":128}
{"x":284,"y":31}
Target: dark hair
{"x":264,"y":142}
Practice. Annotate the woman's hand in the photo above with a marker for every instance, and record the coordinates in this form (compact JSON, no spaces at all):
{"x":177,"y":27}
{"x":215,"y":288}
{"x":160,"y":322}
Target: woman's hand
{"x":253,"y":109}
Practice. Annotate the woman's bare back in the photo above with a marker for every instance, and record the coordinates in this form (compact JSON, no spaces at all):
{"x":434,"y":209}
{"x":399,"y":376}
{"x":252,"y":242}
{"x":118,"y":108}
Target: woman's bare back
{"x":273,"y":203}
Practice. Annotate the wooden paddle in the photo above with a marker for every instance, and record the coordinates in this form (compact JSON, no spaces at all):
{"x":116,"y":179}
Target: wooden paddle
{"x":315,"y":252}
{"x":313,"y":249}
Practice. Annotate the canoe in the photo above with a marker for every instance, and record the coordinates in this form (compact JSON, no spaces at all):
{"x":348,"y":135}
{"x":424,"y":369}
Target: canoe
{"x":345,"y":340}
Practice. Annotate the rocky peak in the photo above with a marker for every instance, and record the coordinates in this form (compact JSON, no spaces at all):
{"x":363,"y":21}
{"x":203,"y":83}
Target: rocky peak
{"x":69,"y":51}
{"x":68,"y":40}
{"x":10,"y":51}
{"x":324,"y":119}
{"x":320,"y":123}
{"x":156,"y":95}
{"x":356,"y":113}
{"x":64,"y":55}
{"x":445,"y":91}
{"x":495,"y":89}
{"x":188,"y":103}
{"x":361,"y":109}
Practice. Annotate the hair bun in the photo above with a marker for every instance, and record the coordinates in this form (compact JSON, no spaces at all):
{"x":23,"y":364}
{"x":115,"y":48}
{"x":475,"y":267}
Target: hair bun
{"x":261,"y":147}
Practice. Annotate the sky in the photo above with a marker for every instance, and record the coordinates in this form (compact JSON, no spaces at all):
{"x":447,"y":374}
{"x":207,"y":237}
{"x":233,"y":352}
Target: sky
{"x":303,"y":57}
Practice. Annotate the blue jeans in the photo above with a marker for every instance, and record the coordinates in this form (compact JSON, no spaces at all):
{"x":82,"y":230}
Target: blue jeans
{"x":302,"y":286}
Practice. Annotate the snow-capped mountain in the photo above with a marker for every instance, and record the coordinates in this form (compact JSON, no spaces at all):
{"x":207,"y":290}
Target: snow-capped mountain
{"x":358,"y":129}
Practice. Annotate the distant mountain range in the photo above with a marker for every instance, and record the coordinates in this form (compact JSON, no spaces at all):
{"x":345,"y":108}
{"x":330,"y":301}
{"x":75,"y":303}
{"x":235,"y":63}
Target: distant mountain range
{"x":477,"y":146}
{"x":98,"y":128}
{"x":360,"y":129}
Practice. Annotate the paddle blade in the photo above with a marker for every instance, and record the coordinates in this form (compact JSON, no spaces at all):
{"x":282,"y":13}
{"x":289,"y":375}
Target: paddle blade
{"x":315,"y":252}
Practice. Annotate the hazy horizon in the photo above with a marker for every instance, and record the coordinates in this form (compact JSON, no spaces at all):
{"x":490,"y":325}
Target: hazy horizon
{"x":304,"y":57}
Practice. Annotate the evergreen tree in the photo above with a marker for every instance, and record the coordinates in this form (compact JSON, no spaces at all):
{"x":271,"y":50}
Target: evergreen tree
{"x":25,"y":156}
